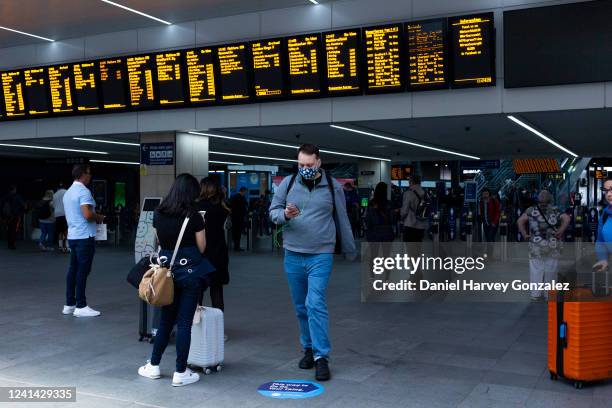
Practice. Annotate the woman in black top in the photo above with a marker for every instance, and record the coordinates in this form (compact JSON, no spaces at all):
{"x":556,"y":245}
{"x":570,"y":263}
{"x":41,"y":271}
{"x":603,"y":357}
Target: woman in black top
{"x":379,"y":223}
{"x":211,"y":201}
{"x":191,"y":273}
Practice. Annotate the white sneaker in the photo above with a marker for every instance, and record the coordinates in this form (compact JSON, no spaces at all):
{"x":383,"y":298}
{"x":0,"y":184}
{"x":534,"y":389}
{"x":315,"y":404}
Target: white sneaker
{"x":85,"y":312}
{"x":186,"y":378}
{"x":149,"y":371}
{"x":68,"y":310}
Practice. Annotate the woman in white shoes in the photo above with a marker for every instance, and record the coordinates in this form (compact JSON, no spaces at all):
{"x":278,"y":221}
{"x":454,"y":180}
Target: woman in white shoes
{"x":191,"y":275}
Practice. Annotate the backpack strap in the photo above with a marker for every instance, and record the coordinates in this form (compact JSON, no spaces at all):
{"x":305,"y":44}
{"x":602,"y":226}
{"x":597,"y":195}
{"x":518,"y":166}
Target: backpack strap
{"x":291,"y":183}
{"x":330,"y":184}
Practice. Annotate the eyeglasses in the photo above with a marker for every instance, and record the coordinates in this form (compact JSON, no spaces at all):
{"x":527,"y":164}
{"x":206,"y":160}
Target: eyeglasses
{"x":605,"y":191}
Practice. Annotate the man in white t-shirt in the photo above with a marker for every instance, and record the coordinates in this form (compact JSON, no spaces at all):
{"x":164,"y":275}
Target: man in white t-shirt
{"x":61,"y":227}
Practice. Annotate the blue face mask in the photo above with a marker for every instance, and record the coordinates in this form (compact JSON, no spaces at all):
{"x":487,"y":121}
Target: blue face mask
{"x":309,"y":173}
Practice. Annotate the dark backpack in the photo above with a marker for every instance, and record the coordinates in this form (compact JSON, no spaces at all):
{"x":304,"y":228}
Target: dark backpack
{"x":423,"y":208}
{"x":44,"y":210}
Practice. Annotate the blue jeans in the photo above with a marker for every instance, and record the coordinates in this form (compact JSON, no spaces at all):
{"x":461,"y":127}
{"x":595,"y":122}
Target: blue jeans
{"x":47,"y":233}
{"x":180,"y":312}
{"x":308,"y":275}
{"x":81,"y":258}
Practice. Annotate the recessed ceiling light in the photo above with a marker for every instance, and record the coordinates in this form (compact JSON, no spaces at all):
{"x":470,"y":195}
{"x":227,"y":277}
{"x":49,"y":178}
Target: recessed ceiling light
{"x":106,"y":141}
{"x":540,"y":135}
{"x":115,"y":162}
{"x":112,"y":3}
{"x":404,"y":142}
{"x":60,"y":149}
{"x":24,"y":33}
{"x":252,"y":157}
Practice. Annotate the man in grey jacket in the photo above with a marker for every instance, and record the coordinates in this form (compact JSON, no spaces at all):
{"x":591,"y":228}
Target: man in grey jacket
{"x":304,"y":205}
{"x":414,"y":229}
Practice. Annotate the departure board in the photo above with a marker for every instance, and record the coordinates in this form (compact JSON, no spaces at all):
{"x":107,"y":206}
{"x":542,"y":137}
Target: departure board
{"x":36,"y":91}
{"x":140,"y":70}
{"x":86,"y":94}
{"x":113,"y":84}
{"x":233,"y":74}
{"x":267,"y":61}
{"x":473,"y":50}
{"x":427,"y":60}
{"x":12,"y":89}
{"x":342,"y":53}
{"x":304,"y":56}
{"x":201,"y":75}
{"x":170,"y":78}
{"x":383,"y":58}
{"x":60,"y":89}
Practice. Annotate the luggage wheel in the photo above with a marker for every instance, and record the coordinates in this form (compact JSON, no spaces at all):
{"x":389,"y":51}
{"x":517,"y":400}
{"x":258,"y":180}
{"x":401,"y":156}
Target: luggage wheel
{"x":141,"y":338}
{"x":207,"y":371}
{"x":219,"y":368}
{"x":578,"y":385}
{"x":553,"y":376}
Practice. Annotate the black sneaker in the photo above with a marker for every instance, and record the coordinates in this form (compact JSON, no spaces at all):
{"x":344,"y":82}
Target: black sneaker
{"x":307,"y":362}
{"x":322,"y":370}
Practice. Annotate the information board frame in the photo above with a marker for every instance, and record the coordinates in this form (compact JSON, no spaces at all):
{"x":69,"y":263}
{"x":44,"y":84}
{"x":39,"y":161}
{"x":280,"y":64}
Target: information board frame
{"x":402,"y":63}
{"x":215,"y":64}
{"x":5,"y":115}
{"x":71,"y":87}
{"x":126,"y":85}
{"x":320,"y":68}
{"x":247,"y":66}
{"x":446,"y":47}
{"x":98,"y":80}
{"x":284,"y":59}
{"x":360,"y":59}
{"x":184,"y":80}
{"x":155,"y":105}
{"x":27,"y":98}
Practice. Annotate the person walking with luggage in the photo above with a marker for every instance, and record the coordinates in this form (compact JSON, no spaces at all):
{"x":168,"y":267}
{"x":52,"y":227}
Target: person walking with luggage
{"x":61,"y":226}
{"x":79,"y":206}
{"x":211,"y":200}
{"x":12,"y":208}
{"x":603,"y":247}
{"x":310,"y":207}
{"x":191,"y":274}
{"x":239,"y":207}
{"x":543,"y":226}
{"x":46,"y":221}
{"x":414,"y":199}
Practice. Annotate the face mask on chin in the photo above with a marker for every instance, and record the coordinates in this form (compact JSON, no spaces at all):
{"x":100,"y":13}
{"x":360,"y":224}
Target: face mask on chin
{"x":309,"y":173}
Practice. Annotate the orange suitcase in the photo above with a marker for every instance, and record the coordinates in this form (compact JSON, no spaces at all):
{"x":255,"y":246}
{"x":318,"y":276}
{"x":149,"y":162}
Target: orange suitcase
{"x":580,"y":334}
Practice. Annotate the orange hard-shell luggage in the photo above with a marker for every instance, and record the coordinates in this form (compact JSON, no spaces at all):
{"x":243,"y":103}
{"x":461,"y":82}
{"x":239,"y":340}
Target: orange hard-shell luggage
{"x":580,"y":334}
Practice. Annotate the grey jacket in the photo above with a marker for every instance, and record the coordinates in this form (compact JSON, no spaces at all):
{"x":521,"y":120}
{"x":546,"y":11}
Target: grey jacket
{"x":409,"y":204}
{"x":313,"y":231}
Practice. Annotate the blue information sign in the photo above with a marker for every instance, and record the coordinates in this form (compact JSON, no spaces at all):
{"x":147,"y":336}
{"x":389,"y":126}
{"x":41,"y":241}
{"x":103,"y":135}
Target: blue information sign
{"x":293,"y":389}
{"x":157,"y":154}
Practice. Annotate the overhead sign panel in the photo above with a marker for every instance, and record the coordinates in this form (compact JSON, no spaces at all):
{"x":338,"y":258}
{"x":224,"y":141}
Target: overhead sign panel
{"x":473,"y":50}
{"x":342,"y":56}
{"x":383,"y":58}
{"x":86,"y":86}
{"x":13,"y":92}
{"x":170,"y":78}
{"x":268,"y":61}
{"x":201,"y":75}
{"x":233,"y":74}
{"x":36,"y":88}
{"x":140,"y":71}
{"x":114,"y":86}
{"x":304,"y":65}
{"x":427,"y":58}
{"x":60,"y":86}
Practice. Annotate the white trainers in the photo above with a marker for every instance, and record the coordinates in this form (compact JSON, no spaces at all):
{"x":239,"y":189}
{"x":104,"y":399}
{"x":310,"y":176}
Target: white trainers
{"x":68,"y":310}
{"x":186,"y":378}
{"x":85,"y":312}
{"x":149,"y":371}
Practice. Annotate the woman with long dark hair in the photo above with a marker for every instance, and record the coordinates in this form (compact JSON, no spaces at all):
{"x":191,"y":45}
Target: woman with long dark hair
{"x":379,"y":223}
{"x":211,"y":201}
{"x":191,"y":273}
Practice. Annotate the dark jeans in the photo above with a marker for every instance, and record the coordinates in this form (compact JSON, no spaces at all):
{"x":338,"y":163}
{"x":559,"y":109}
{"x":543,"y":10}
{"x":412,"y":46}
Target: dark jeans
{"x":180,"y":312}
{"x":12,"y":225}
{"x":413,"y":234}
{"x":81,"y":258}
{"x":490,"y":232}
{"x":237,"y":227}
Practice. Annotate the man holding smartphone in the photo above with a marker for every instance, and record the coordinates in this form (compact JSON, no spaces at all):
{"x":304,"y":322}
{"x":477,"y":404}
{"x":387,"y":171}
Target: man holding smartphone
{"x":310,"y":206}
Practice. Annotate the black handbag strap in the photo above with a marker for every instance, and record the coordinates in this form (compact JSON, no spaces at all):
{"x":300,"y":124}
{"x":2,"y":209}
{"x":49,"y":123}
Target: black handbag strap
{"x":545,"y":218}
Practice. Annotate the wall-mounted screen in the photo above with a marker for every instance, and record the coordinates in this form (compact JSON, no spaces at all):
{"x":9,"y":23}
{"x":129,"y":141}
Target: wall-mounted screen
{"x":86,"y":86}
{"x":233,"y":73}
{"x":36,"y":89}
{"x":201,"y":75}
{"x":114,"y":86}
{"x":343,"y":57}
{"x":140,"y":71}
{"x":60,"y":87}
{"x":304,"y":55}
{"x":12,"y":90}
{"x":427,"y":58}
{"x":473,"y":50}
{"x":268,"y":61}
{"x":383,"y":58}
{"x":170,"y":78}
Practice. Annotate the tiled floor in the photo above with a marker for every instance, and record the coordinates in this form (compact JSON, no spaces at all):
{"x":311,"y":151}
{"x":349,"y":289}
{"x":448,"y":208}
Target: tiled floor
{"x":385,"y":355}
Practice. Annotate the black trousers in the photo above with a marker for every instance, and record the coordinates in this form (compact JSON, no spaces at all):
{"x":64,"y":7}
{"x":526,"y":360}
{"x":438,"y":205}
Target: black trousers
{"x":237,"y":227}
{"x":413,"y":234}
{"x":11,"y":233}
{"x":216,"y":296}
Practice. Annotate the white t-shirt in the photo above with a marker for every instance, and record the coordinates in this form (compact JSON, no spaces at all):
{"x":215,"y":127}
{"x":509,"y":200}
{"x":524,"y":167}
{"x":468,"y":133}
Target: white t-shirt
{"x":58,"y":202}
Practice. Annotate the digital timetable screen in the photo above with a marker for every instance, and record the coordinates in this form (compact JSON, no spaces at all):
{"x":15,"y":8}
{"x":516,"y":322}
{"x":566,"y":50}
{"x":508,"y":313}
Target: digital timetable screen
{"x":113,"y":84}
{"x":86,"y":95}
{"x":201,"y":76}
{"x":36,"y":91}
{"x":383,"y":58}
{"x":60,"y":89}
{"x":473,"y":50}
{"x":267,"y":62}
{"x":233,"y":74}
{"x":427,"y":45}
{"x":170,"y":78}
{"x":342,"y":56}
{"x":303,"y":53}
{"x":12,"y":90}
{"x":140,"y":78}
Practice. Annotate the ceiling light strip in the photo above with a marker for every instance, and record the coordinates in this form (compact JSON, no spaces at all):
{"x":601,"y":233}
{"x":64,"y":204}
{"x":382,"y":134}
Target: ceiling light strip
{"x":112,"y":3}
{"x":314,"y":2}
{"x":225,"y":162}
{"x":114,"y":162}
{"x":51,"y":148}
{"x":404,"y":142}
{"x":252,"y":157}
{"x":240,"y":139}
{"x":28,"y":34}
{"x":106,"y":141}
{"x":540,"y":135}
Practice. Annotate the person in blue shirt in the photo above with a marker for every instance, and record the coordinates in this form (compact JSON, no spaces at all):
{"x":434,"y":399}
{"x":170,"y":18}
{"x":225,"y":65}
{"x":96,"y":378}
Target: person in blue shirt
{"x":603,"y":247}
{"x":79,"y":206}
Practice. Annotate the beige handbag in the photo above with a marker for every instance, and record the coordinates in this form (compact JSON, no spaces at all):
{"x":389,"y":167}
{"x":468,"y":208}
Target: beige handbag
{"x":157,"y":285}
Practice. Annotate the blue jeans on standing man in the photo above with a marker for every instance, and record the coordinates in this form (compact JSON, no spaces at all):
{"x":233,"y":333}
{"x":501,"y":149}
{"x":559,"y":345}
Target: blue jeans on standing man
{"x":47,"y":233}
{"x":308,"y":275}
{"x":81,"y":257}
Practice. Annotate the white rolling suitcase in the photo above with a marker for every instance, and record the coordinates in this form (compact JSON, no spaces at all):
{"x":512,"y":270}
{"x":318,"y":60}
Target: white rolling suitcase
{"x":207,"y":345}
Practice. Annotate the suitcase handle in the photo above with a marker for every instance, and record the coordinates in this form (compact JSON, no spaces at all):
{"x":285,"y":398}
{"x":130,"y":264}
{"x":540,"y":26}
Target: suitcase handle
{"x":607,"y":284}
{"x":563,"y":334}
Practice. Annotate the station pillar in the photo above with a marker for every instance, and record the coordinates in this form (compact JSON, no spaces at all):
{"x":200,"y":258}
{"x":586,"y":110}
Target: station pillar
{"x":371,"y":172}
